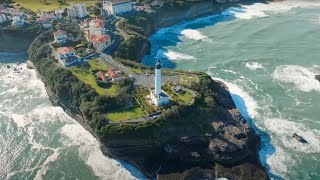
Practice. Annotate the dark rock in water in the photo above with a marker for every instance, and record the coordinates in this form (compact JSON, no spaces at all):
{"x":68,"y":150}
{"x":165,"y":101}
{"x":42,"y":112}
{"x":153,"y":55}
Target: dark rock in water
{"x":317,"y":77}
{"x":299,"y":138}
{"x":18,"y":63}
{"x":8,"y":66}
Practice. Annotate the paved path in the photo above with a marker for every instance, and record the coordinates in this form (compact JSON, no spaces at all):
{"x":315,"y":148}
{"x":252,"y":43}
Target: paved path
{"x":140,"y":79}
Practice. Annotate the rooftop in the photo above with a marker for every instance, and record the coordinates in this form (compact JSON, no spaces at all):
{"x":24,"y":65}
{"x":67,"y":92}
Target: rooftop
{"x":65,"y":50}
{"x":99,"y":39}
{"x":59,"y":33}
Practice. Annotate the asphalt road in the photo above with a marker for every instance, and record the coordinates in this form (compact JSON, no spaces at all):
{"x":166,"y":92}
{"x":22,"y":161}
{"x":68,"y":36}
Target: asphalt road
{"x":140,"y":79}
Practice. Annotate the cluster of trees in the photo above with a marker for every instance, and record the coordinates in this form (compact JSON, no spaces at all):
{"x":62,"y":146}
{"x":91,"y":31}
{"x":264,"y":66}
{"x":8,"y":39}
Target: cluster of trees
{"x":135,"y":41}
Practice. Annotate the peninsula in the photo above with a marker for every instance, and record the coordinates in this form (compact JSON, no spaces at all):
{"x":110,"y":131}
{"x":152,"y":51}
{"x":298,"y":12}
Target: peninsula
{"x":170,"y":124}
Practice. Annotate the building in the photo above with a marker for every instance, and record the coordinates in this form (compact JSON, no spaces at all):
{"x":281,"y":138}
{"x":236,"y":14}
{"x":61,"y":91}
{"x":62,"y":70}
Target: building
{"x":114,"y":74}
{"x":96,"y":27}
{"x":157,"y":96}
{"x":117,"y":7}
{"x":67,"y":55}
{"x":60,"y":37}
{"x":77,"y":11}
{"x":18,"y":20}
{"x":45,"y":22}
{"x":100,"y":42}
{"x":102,"y":76}
{"x":3,"y":18}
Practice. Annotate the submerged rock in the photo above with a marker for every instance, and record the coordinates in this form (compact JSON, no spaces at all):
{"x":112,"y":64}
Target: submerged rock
{"x":317,"y":77}
{"x":8,"y":67}
{"x":299,"y":138}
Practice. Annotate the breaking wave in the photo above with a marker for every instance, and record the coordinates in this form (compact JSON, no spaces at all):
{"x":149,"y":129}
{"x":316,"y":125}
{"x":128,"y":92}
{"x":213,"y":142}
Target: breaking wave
{"x":37,"y":137}
{"x":301,"y":77}
{"x":254,"y":66}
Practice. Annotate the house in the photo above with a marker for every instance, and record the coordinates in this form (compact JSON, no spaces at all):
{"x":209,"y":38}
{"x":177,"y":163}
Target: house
{"x":45,"y":22}
{"x":67,"y":55}
{"x":115,"y":74}
{"x":117,"y":7}
{"x":102,"y":76}
{"x":178,"y":90}
{"x":100,"y":42}
{"x":60,"y":36}
{"x":77,"y":11}
{"x":18,"y":20}
{"x":3,"y":18}
{"x":13,"y":12}
{"x":96,"y":27}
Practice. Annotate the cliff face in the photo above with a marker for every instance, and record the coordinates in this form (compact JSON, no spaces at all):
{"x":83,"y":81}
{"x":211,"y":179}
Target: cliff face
{"x":229,"y":144}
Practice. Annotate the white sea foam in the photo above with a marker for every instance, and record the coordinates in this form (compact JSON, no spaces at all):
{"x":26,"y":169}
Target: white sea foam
{"x":27,"y":114}
{"x":175,"y":56}
{"x":285,"y":129}
{"x":279,"y":161}
{"x":194,"y":34}
{"x":254,"y":66}
{"x":301,"y":77}
{"x":102,"y":166}
{"x":244,"y":102}
{"x":263,"y":10}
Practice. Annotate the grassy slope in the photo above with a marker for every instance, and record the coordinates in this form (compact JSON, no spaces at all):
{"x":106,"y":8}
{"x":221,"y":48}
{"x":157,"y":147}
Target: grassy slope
{"x":88,"y":77}
{"x":122,"y":115}
{"x":36,"y":5}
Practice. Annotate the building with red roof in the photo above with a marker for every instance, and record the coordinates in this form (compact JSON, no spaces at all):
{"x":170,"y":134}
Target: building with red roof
{"x":114,"y":74}
{"x":100,"y":42}
{"x":102,"y":76}
{"x":67,"y":55}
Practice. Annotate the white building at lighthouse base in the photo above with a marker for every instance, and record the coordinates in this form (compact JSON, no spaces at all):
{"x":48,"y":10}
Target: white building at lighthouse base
{"x":159,"y":99}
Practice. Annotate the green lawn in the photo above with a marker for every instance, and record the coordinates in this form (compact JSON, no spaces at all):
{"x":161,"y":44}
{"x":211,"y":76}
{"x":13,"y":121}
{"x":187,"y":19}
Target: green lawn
{"x":36,"y":5}
{"x":187,"y":80}
{"x":184,"y":98}
{"x":122,"y":115}
{"x":86,"y":76}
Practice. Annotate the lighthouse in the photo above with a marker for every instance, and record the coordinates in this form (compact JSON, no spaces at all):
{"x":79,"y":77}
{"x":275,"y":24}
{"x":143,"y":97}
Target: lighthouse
{"x":157,"y":96}
{"x":157,"y":78}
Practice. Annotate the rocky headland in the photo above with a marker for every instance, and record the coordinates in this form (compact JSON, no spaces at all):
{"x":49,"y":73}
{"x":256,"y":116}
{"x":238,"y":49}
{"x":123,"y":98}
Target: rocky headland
{"x":209,"y":139}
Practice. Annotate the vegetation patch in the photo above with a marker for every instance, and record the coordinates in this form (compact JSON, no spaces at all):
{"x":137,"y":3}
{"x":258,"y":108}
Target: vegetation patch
{"x":127,"y":114}
{"x":50,"y":5}
{"x":181,"y":98}
{"x":86,"y":73}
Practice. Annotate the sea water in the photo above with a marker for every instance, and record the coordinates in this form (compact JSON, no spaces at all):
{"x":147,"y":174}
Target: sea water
{"x":39,"y":140}
{"x":268,"y":56}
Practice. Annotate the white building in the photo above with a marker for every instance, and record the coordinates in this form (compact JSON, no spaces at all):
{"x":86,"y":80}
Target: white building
{"x":67,"y":55}
{"x":117,"y":7}
{"x":158,"y":97}
{"x":3,"y":18}
{"x":100,"y":42}
{"x":77,"y":11}
{"x":60,"y":37}
{"x":18,"y":20}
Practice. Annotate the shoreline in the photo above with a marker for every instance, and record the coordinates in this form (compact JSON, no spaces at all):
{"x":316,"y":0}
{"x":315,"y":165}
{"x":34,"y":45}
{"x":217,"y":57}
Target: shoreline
{"x":79,"y":118}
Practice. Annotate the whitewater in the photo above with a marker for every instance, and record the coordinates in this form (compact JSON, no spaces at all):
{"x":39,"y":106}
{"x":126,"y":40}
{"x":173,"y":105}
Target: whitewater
{"x":39,"y":140}
{"x":268,"y":56}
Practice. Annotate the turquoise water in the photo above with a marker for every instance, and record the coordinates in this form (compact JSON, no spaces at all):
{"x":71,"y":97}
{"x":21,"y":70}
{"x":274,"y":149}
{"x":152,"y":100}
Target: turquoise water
{"x":267,"y":55}
{"x":40,"y":141}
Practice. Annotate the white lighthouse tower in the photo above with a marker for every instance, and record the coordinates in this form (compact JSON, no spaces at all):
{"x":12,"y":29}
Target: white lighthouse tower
{"x":157,"y":78}
{"x":158,"y":97}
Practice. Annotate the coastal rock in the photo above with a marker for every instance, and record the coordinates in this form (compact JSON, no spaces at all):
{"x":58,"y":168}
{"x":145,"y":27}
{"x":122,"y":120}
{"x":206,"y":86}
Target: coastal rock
{"x":299,"y":138}
{"x":317,"y":77}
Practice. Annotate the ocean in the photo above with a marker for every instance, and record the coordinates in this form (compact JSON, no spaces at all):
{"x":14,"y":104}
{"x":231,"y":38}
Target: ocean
{"x":268,"y":56}
{"x":39,"y":140}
